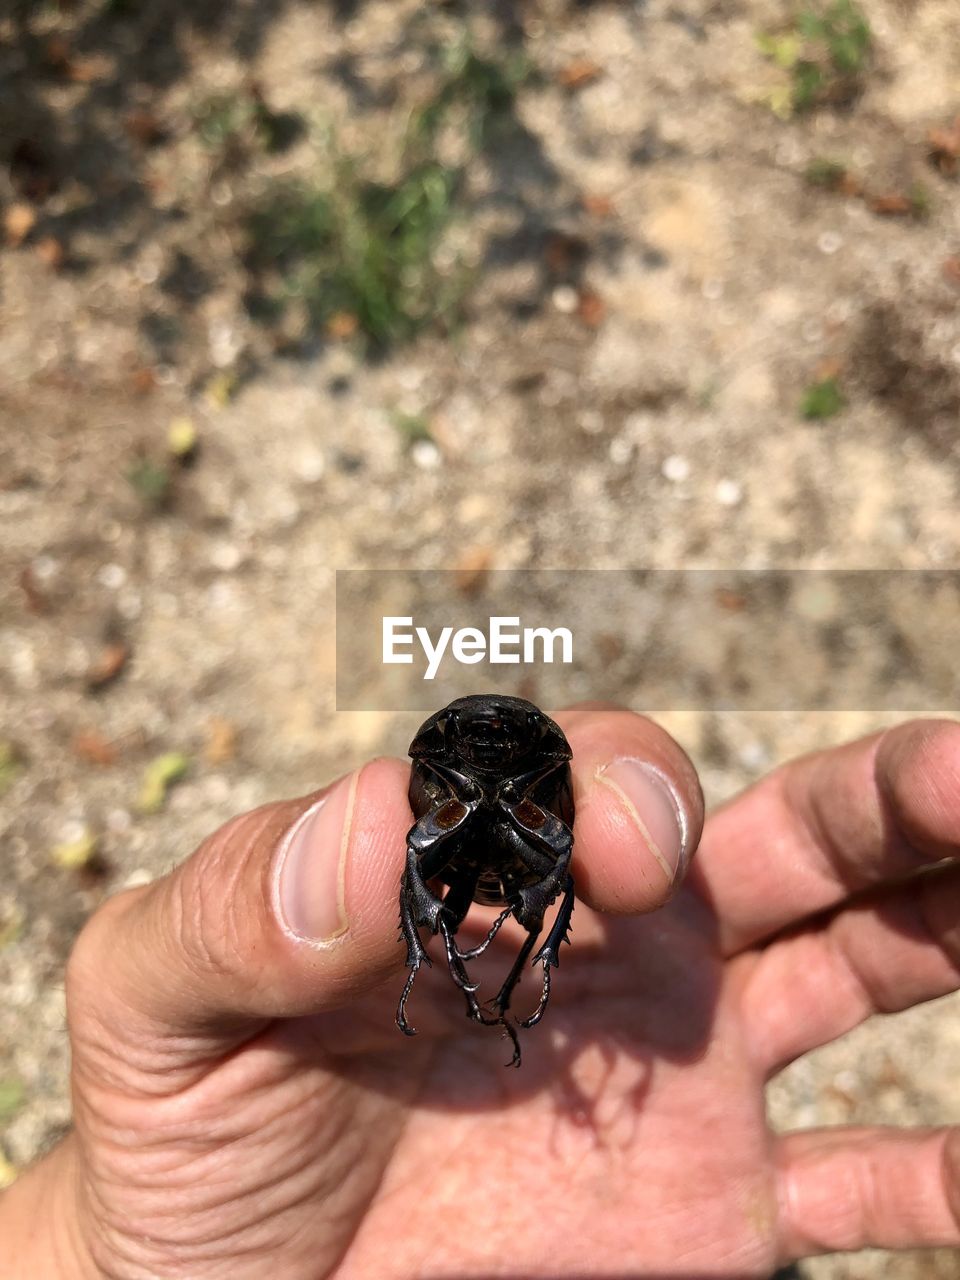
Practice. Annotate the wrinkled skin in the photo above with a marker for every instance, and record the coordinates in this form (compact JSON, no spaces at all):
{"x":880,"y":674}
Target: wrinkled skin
{"x":216,"y":1138}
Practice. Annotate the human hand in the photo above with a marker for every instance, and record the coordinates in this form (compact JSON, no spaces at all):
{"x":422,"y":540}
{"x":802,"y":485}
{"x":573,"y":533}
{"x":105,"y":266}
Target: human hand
{"x":244,"y":1104}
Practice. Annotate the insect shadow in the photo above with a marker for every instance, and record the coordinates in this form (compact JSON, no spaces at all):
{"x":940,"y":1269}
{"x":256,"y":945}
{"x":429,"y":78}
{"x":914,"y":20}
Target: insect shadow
{"x":635,"y":991}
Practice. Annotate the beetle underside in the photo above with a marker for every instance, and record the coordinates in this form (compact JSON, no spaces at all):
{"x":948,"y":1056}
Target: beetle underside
{"x":490,"y":788}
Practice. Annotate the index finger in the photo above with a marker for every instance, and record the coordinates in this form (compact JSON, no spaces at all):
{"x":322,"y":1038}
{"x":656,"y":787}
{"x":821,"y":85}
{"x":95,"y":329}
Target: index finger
{"x":830,"y":825}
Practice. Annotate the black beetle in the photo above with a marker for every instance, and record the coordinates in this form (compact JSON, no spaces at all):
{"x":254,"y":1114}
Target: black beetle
{"x":490,"y":788}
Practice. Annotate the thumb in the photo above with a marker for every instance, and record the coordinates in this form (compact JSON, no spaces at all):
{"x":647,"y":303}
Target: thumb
{"x":285,"y":911}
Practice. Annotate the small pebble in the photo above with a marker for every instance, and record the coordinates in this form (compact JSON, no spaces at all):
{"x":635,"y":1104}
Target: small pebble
{"x":620,"y":451}
{"x":754,"y":756}
{"x":712,"y":289}
{"x":676,"y":468}
{"x":222,"y":595}
{"x":137,"y":878}
{"x":44,"y":567}
{"x":639,"y":425}
{"x":728,"y":493}
{"x":310,"y":466}
{"x":119,"y":821}
{"x":112,"y":576}
{"x":72,"y":831}
{"x":226,"y":556}
{"x":130,"y":605}
{"x":425,"y":455}
{"x":148,"y":272}
{"x":565,"y":299}
{"x":829,"y":242}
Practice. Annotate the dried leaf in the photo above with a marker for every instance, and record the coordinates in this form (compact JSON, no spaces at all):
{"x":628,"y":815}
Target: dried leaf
{"x":108,"y":665}
{"x":56,"y":54}
{"x":35,"y":599}
{"x":221,"y":741}
{"x":598,"y":206}
{"x":182,"y":438}
{"x":144,"y":380}
{"x":61,"y":59}
{"x":220,"y":389}
{"x":564,"y":253}
{"x":144,"y":128}
{"x":729,"y":600}
{"x":74,"y":855}
{"x":945,"y":148}
{"x":951,"y":269}
{"x":830,"y":367}
{"x":892,"y":205}
{"x":159,"y":776}
{"x":580,"y":72}
{"x":591,"y":308}
{"x":342,"y":325}
{"x":18,"y":221}
{"x":51,"y":252}
{"x":91,"y":746}
{"x":471,"y":571}
{"x":609,"y":647}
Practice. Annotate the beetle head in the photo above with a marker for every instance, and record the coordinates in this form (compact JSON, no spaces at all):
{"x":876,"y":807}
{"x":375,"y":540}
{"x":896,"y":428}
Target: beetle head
{"x":491,"y":733}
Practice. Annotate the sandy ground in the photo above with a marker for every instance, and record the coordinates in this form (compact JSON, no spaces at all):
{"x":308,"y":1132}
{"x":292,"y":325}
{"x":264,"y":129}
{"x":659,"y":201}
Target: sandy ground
{"x":655,"y":426}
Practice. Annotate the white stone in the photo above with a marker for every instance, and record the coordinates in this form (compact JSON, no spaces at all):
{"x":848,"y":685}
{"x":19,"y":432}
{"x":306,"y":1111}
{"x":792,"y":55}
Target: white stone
{"x":565,"y":299}
{"x":676,"y":468}
{"x":226,"y":556}
{"x":728,"y":492}
{"x":425,"y":455}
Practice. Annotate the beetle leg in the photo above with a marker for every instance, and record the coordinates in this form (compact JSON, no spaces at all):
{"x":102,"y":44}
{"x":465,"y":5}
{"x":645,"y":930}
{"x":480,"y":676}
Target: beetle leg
{"x":492,"y":932}
{"x":460,"y":975}
{"x":501,"y":1001}
{"x":536,"y":898}
{"x":456,"y":904}
{"x":416,"y":955}
{"x":418,"y":906}
{"x":549,"y":953}
{"x":511,"y":1031}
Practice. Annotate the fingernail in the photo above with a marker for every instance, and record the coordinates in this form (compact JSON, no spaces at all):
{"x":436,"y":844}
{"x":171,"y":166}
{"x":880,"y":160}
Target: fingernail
{"x":653,"y":807}
{"x":312,"y":865}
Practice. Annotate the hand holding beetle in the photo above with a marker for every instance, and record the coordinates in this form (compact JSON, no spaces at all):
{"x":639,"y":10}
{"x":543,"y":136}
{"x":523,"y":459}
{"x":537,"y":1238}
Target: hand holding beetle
{"x":244,"y":1104}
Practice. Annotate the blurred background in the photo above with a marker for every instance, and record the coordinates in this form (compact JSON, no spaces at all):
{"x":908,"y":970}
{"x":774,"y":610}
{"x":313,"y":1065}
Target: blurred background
{"x":292,"y":286}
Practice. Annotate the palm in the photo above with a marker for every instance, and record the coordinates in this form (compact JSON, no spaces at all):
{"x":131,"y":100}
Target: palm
{"x":636,"y":1104}
{"x":634,"y":1129}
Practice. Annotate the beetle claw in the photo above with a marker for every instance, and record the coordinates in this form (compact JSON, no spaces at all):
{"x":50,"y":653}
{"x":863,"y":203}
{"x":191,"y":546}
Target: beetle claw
{"x":509,"y":1030}
{"x":402,"y":1022}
